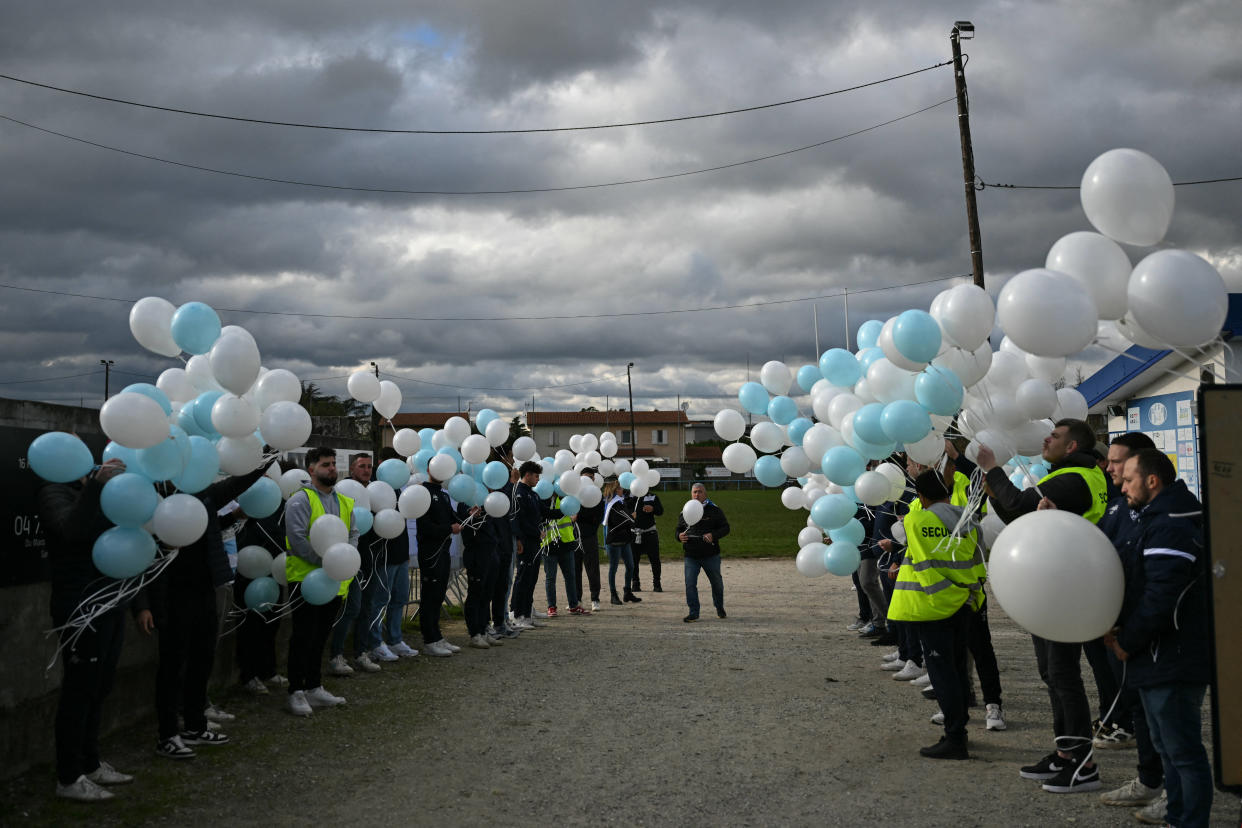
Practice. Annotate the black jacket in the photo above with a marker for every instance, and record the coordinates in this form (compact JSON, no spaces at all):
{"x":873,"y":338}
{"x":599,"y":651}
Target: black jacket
{"x":1164,"y":620}
{"x":479,"y":536}
{"x":645,"y":520}
{"x":529,"y":513}
{"x":435,"y":527}
{"x":1068,"y":491}
{"x":712,"y":523}
{"x":619,"y":524}
{"x":590,"y":519}
{"x":72,"y":520}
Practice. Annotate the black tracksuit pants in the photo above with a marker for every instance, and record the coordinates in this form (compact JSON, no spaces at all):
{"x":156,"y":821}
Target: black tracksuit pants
{"x":187,"y":632}
{"x":311,"y":627}
{"x":90,"y":665}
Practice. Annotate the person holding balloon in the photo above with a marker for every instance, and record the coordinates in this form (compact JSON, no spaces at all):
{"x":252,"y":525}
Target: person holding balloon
{"x":480,"y":559}
{"x":256,"y":635}
{"x":72,"y":520}
{"x":618,"y":537}
{"x":562,"y":542}
{"x":435,"y":530}
{"x":701,"y":541}
{"x":1076,"y":485}
{"x":363,"y":592}
{"x":645,"y":510}
{"x":586,"y":556}
{"x":529,"y":513}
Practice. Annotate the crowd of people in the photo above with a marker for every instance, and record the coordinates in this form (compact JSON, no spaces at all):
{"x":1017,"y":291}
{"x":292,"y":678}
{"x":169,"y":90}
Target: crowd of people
{"x":920,"y":589}
{"x":198,"y":594}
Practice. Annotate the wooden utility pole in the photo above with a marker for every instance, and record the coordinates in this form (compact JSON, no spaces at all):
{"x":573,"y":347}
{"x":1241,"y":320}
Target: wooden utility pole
{"x":965,"y":30}
{"x":375,"y":427}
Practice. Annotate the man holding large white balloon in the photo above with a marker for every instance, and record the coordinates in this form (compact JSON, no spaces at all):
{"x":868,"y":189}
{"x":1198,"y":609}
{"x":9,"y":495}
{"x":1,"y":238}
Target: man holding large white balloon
{"x":312,"y":622}
{"x":700,"y":530}
{"x":1074,"y":485}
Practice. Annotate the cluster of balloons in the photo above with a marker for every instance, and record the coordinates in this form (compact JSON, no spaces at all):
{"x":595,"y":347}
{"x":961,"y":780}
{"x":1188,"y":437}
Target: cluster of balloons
{"x":918,"y":372}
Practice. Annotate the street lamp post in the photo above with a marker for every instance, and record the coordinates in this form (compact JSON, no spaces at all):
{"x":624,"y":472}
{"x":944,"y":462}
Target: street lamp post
{"x":107,"y":364}
{"x":633,"y":430}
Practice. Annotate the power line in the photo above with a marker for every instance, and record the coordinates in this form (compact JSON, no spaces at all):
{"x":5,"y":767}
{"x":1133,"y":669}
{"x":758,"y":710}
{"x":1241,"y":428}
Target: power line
{"x":337,"y":128}
{"x":49,"y":379}
{"x":515,"y":191}
{"x":550,"y":317}
{"x":488,"y":388}
{"x":983,"y":185}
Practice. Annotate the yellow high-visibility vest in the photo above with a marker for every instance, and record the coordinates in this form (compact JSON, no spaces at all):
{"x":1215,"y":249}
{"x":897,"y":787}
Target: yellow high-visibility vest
{"x":296,"y":569}
{"x":937,"y":574}
{"x":1094,"y":478}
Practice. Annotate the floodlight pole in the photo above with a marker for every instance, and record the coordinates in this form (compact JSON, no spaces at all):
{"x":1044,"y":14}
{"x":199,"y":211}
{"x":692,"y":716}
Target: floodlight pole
{"x":964,"y":29}
{"x":107,"y":364}
{"x":375,"y":431}
{"x":633,"y":430}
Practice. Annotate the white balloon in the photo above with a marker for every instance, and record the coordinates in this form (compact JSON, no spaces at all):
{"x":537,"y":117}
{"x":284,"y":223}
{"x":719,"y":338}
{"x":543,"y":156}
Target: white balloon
{"x":640,"y":467}
{"x":896,"y":478}
{"x":793,"y":498}
{"x":730,"y":425}
{"x":575,"y":443}
{"x":150,"y":321}
{"x":278,"y":569}
{"x":1036,"y":399}
{"x":380,"y":496}
{"x":239,"y":455}
{"x":811,"y":494}
{"x":1131,"y":330}
{"x":1071,"y":404}
{"x":639,"y":487}
{"x":276,"y":386}
{"x":355,"y":491}
{"x":965,"y":315}
{"x":809,"y":535}
{"x":234,"y":360}
{"x":589,"y":495}
{"x":653,"y":478}
{"x":475,"y":448}
{"x":439,"y":440}
{"x":899,"y":532}
{"x":176,"y":385}
{"x":842,"y":406}
{"x":234,"y":416}
{"x":821,"y":401}
{"x":388,"y":403}
{"x":872,"y":488}
{"x":570,"y":483}
{"x":1099,"y":264}
{"x":389,"y":523}
{"x":766,"y":437}
{"x":1049,"y":369}
{"x":817,"y":440}
{"x":607,"y":468}
{"x":621,"y":466}
{"x":969,"y":366}
{"x":254,"y":562}
{"x":795,"y":463}
{"x":456,"y":429}
{"x":589,"y":442}
{"x":738,"y":458}
{"x":363,"y":386}
{"x":285,"y":425}
{"x":198,"y":369}
{"x":775,"y":377}
{"x":341,"y":562}
{"x":497,"y":432}
{"x":406,"y":442}
{"x":442,"y":467}
{"x":593,"y":459}
{"x":414,"y":502}
{"x":890,"y":382}
{"x":1029,"y":437}
{"x":326,"y":531}
{"x":179,"y":520}
{"x":1000,"y":443}
{"x":1128,"y":196}
{"x":692,"y":512}
{"x":523,"y":449}
{"x":292,"y":481}
{"x":927,"y":451}
{"x":496,"y":504}
{"x":810,"y":560}
{"x":133,"y":420}
{"x":862,"y":390}
{"x":1057,"y":575}
{"x":1006,"y":373}
{"x":1178,"y":298}
{"x":1047,"y":313}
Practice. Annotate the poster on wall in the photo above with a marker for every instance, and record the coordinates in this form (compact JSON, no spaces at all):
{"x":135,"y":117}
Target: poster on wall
{"x":1170,"y":421}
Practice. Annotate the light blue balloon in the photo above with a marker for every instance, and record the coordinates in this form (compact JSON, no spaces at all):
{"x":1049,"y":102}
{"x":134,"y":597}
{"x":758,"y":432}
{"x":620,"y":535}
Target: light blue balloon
{"x":187,"y":422}
{"x":939,"y":390}
{"x":195,"y":327}
{"x":363,"y":519}
{"x":261,"y":500}
{"x":149,"y":390}
{"x":425,"y":435}
{"x":556,"y":489}
{"x":840,"y":367}
{"x":848,"y":491}
{"x":484,"y":418}
{"x":867,"y":423}
{"x":868,"y":356}
{"x":543,"y":489}
{"x":570,"y":506}
{"x":1040,"y":470}
{"x":842,"y":558}
{"x":480,"y":494}
{"x":202,"y":469}
{"x":461,"y":487}
{"x":798,"y":429}
{"x":421,"y":458}
{"x":394,"y":472}
{"x":868,"y":335}
{"x":753,"y":397}
{"x":202,"y":412}
{"x":60,"y":457}
{"x":916,"y":335}
{"x":768,"y":471}
{"x":128,"y":500}
{"x":116,"y":451}
{"x":852,"y":533}
{"x":842,"y":465}
{"x":495,"y":474}
{"x":123,"y":551}
{"x":807,"y":376}
{"x":318,"y":588}
{"x":873,"y":451}
{"x":782,"y":410}
{"x":905,"y":421}
{"x":626,"y":479}
{"x":262,"y":594}
{"x":452,"y":452}
{"x":166,"y":460}
{"x":833,"y":511}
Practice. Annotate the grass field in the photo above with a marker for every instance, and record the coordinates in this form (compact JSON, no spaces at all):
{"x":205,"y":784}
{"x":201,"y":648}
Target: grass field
{"x":759,"y":526}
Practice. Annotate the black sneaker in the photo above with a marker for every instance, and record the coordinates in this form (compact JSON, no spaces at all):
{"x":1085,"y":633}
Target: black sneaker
{"x":1046,"y":768}
{"x":657,"y":588}
{"x":173,"y":748}
{"x":636,"y":587}
{"x":615,"y":599}
{"x":946,"y":748}
{"x":1074,"y":778}
{"x":721,"y":614}
{"x":204,"y":737}
{"x":887,"y":640}
{"x":1112,"y":737}
{"x":690,"y":617}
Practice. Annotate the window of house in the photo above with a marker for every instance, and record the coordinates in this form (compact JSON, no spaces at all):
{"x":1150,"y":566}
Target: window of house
{"x":659,"y":437}
{"x":627,"y":437}
{"x":554,"y":438}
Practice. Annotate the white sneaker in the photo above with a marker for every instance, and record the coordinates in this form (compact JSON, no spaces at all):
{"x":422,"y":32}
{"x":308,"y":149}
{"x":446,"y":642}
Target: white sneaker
{"x":494,"y":640}
{"x":479,"y":642}
{"x":297,"y":704}
{"x":105,"y":774}
{"x":921,"y":681}
{"x":319,"y":697}
{"x":382,"y":653}
{"x":367,"y":665}
{"x":450,"y":646}
{"x":995,"y":721}
{"x":1155,"y":811}
{"x":595,"y":606}
{"x":83,"y":790}
{"x":404,"y":650}
{"x":909,"y":672}
{"x":539,"y":614}
{"x":535,"y":622}
{"x":338,"y":666}
{"x":893,"y":666}
{"x":1132,"y":793}
{"x":520,"y":623}
{"x":434,"y":649}
{"x":895,"y":655}
{"x":215,"y":714}
{"x":256,"y":687}
{"x":276,"y":680}
{"x":937,"y":718}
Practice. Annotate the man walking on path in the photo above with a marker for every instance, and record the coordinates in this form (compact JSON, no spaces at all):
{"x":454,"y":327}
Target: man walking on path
{"x":702,"y":549}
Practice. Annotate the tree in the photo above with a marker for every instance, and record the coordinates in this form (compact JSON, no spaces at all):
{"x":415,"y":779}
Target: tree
{"x":588,"y":408}
{"x":320,"y":404}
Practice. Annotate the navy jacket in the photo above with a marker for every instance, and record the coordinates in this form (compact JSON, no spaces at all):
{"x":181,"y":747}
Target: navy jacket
{"x":712,"y":523}
{"x":529,"y":513}
{"x":435,"y":527}
{"x":479,"y":537}
{"x":1164,"y":621}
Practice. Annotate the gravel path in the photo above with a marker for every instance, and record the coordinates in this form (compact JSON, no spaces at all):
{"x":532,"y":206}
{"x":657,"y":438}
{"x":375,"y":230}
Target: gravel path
{"x":776,"y":715}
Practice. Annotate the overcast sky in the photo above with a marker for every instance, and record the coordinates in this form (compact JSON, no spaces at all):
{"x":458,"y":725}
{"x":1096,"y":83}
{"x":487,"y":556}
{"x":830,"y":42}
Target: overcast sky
{"x":1052,"y":85}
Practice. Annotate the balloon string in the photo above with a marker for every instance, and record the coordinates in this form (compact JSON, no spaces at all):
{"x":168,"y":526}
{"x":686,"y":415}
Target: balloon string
{"x":1170,"y":371}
